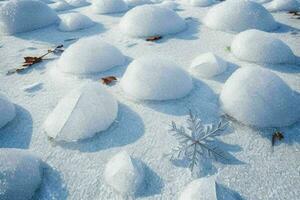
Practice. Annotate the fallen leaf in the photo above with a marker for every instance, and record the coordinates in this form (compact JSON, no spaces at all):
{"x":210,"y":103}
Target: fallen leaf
{"x":153,"y":38}
{"x":108,"y":80}
{"x":277,"y":135}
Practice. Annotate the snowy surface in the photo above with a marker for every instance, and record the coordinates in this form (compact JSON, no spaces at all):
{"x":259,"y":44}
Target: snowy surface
{"x":239,"y":15}
{"x":207,"y":65}
{"x":74,"y":22}
{"x":141,"y":128}
{"x":265,"y":49}
{"x":201,"y":3}
{"x":148,"y":20}
{"x":60,"y":5}
{"x":283,"y":5}
{"x":169,"y":4}
{"x":133,"y":3}
{"x":258,"y":97}
{"x":90,"y":55}
{"x":155,"y":78}
{"x":18,"y":16}
{"x":20,"y":172}
{"x":82,"y":113}
{"x":109,"y":6}
{"x":7,"y":110}
{"x":124,"y":174}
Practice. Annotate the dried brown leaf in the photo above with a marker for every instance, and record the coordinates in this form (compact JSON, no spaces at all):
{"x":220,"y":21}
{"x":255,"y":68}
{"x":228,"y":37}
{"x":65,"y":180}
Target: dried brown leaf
{"x":108,"y":80}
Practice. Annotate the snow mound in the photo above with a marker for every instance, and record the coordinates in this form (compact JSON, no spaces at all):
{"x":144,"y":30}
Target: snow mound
{"x":283,"y":5}
{"x":90,"y":55}
{"x":200,"y":3}
{"x":77,"y":3}
{"x":124,"y":173}
{"x":74,"y":22}
{"x":169,"y":4}
{"x":200,"y":189}
{"x":7,"y":110}
{"x":109,"y":6}
{"x":17,"y":16}
{"x":82,"y":113}
{"x":154,"y":78}
{"x":149,"y":20}
{"x":60,"y":6}
{"x":21,"y":174}
{"x":258,"y":97}
{"x":261,"y":47}
{"x":208,"y":65}
{"x":237,"y":16}
{"x":261,"y":1}
{"x":133,"y":3}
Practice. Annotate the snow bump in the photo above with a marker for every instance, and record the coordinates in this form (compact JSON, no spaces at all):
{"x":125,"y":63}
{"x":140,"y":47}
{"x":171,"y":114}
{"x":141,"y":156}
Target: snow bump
{"x":74,"y":22}
{"x":154,"y":78}
{"x":109,"y":6}
{"x":7,"y":110}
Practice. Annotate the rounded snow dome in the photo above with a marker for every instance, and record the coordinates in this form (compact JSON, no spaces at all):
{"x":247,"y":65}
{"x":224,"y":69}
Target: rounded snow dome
{"x":7,"y":110}
{"x":20,"y":172}
{"x":154,"y":78}
{"x":208,"y":65}
{"x":261,"y":47}
{"x":283,"y":5}
{"x":258,"y":97}
{"x":82,"y":113}
{"x":90,"y":55}
{"x":74,"y":22}
{"x":133,"y":3}
{"x":17,"y":16}
{"x":151,"y":20}
{"x":124,"y":173}
{"x":109,"y":6}
{"x":200,"y":189}
{"x":237,"y":16}
{"x":200,"y":3}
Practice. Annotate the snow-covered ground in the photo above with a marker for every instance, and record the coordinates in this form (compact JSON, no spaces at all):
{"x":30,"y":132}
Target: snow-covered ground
{"x":75,"y":170}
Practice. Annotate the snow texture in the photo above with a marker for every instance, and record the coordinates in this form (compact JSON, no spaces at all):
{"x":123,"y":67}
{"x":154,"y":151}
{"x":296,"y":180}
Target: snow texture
{"x":109,"y":6}
{"x":155,"y":78}
{"x":169,"y":4}
{"x":200,"y":189}
{"x":90,"y":55}
{"x":21,"y":174}
{"x":124,"y":174}
{"x":261,"y":47}
{"x":133,"y":3}
{"x":60,"y":5}
{"x":7,"y":110}
{"x":74,"y":22}
{"x":258,"y":97}
{"x":261,"y":1}
{"x":149,"y":20}
{"x":82,"y":113}
{"x":200,"y":3}
{"x":208,"y":65}
{"x":77,"y":3}
{"x":283,"y":5}
{"x":17,"y":16}
{"x":237,"y":16}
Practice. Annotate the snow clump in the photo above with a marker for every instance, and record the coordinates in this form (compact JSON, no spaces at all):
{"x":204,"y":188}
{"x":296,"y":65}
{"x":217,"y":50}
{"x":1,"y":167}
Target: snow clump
{"x":90,"y":55}
{"x":208,"y":65}
{"x":74,"y":22}
{"x":133,"y":3}
{"x":82,"y":113}
{"x":261,"y":47}
{"x":60,"y":5}
{"x":154,"y":78}
{"x":258,"y":97}
{"x":17,"y":16}
{"x":283,"y":5}
{"x":20,"y":172}
{"x":7,"y":110}
{"x":200,"y":3}
{"x":200,"y":189}
{"x":172,"y":5}
{"x":150,"y":20}
{"x":77,"y":3}
{"x":237,"y":16}
{"x":109,"y":6}
{"x":124,"y":174}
